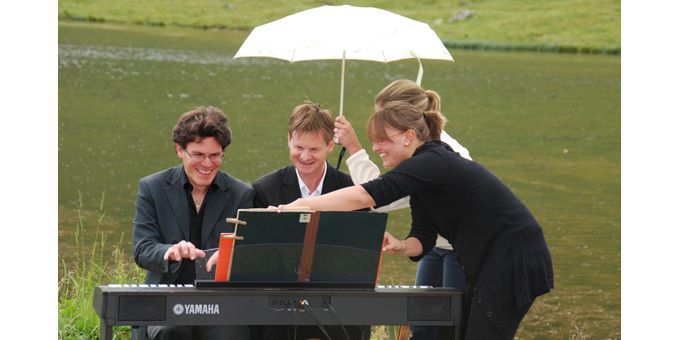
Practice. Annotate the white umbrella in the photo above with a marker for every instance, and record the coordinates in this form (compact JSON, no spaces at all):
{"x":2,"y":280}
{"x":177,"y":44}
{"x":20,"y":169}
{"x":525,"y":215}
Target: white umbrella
{"x":342,"y":33}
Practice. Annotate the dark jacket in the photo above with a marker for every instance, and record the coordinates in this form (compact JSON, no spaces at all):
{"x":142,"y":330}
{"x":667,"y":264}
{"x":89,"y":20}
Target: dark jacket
{"x":281,"y":186}
{"x":162,"y":218}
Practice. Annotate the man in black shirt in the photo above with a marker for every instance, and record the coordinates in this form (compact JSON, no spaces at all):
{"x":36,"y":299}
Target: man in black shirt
{"x":183,"y":210}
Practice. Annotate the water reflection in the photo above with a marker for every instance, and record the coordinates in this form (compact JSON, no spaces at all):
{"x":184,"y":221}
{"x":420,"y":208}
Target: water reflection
{"x":73,"y":54}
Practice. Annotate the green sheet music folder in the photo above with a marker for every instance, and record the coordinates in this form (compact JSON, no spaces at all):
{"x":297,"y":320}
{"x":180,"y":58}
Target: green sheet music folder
{"x":306,"y":249}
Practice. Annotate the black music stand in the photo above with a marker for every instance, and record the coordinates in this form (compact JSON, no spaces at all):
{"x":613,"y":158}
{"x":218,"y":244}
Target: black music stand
{"x":338,"y":250}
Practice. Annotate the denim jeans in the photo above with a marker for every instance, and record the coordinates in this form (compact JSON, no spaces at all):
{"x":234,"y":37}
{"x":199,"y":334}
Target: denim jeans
{"x":439,"y":268}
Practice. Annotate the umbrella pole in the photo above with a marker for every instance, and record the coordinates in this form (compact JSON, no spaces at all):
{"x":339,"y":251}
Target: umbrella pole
{"x":419,"y":78}
{"x":342,"y":97}
{"x":342,"y":82}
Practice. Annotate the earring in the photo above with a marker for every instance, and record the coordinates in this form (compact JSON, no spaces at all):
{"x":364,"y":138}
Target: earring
{"x":406,"y":143}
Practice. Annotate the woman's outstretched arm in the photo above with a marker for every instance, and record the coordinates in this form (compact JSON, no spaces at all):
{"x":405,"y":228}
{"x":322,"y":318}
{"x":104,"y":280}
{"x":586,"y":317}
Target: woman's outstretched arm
{"x":346,"y":199}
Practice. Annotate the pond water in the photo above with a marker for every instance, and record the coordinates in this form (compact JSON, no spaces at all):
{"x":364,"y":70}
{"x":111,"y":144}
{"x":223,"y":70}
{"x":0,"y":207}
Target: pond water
{"x":547,"y":124}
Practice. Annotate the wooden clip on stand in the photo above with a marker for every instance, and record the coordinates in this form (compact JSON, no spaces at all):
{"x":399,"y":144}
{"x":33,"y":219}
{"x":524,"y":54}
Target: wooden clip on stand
{"x":226,"y":249}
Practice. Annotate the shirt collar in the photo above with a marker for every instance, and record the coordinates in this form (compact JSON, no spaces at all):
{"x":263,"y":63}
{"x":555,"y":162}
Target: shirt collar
{"x":184,"y":181}
{"x":303,"y":187}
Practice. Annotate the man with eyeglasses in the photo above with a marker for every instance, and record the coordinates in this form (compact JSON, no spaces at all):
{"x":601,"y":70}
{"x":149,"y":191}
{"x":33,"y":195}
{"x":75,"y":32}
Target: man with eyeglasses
{"x":183,"y":210}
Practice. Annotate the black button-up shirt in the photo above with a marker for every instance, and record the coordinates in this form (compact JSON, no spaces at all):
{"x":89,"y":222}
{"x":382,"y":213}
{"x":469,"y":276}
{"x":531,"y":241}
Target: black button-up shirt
{"x":187,"y":272}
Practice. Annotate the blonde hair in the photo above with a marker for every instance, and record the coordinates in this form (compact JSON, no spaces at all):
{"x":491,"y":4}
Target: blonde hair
{"x":402,"y":116}
{"x":310,"y":117}
{"x":410,"y":92}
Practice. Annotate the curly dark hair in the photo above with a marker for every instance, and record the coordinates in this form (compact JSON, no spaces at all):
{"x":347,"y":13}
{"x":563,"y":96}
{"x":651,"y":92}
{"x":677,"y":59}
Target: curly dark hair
{"x":199,"y":123}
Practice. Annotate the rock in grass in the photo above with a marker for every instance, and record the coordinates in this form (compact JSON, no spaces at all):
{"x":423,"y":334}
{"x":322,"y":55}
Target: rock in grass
{"x":462,"y":15}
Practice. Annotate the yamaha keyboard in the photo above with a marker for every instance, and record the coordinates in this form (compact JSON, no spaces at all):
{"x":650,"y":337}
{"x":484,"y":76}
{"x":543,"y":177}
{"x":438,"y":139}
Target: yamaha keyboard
{"x":131,"y":304}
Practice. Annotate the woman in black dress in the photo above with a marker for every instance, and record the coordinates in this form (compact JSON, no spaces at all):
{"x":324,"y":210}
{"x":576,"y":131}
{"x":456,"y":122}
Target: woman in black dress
{"x":500,"y":245}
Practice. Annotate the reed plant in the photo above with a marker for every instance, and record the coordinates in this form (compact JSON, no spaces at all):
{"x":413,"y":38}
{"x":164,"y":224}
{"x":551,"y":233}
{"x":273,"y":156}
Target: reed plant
{"x":94,"y":263}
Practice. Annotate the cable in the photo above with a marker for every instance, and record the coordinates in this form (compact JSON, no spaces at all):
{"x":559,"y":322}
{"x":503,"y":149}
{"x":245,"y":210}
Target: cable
{"x":339,"y":320}
{"x":342,"y":154}
{"x":295,"y":328}
{"x":305,"y":304}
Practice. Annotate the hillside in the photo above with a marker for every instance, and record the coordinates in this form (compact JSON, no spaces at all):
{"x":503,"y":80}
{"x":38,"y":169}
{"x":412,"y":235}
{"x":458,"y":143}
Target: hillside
{"x":564,"y":26}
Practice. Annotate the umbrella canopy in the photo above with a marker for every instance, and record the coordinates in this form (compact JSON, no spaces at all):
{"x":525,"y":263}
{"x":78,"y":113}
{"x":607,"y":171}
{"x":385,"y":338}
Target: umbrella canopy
{"x":344,"y":33}
{"x":362,"y":33}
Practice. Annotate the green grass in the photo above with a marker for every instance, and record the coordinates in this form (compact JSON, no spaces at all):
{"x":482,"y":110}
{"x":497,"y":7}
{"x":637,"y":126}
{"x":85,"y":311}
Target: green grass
{"x":536,"y":25}
{"x":92,"y":266}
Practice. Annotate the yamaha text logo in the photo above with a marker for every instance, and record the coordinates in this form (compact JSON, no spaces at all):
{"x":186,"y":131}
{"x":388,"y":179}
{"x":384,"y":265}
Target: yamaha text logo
{"x":196,"y":309}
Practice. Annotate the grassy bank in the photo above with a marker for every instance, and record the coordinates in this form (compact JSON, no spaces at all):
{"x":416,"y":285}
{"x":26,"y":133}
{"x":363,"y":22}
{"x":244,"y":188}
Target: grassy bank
{"x":92,"y":266}
{"x":526,"y":25}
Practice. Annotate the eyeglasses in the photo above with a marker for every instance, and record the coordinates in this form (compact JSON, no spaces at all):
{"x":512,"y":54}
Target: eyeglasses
{"x":200,"y":157}
{"x":389,"y":138}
